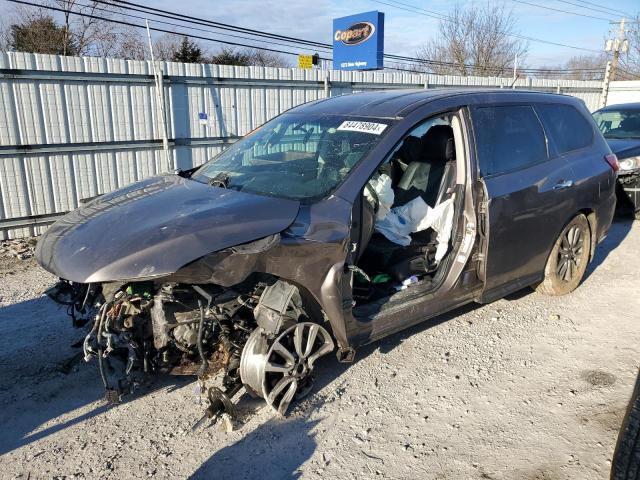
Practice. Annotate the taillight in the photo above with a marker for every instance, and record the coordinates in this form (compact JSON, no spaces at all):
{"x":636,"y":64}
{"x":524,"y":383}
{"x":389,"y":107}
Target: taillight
{"x":612,"y":160}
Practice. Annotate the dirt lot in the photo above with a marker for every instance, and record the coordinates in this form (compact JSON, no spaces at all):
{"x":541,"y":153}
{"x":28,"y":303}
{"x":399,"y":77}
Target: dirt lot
{"x":528,"y":387}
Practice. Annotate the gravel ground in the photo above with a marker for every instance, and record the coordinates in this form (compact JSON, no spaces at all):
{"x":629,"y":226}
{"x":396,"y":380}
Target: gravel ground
{"x":528,"y":387}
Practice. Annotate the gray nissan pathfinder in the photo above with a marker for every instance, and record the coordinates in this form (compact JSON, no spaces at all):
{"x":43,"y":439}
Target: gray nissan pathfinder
{"x":333,"y":225}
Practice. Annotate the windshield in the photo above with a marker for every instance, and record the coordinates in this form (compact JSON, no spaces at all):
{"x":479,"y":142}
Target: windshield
{"x":294,"y":155}
{"x":618,"y":123}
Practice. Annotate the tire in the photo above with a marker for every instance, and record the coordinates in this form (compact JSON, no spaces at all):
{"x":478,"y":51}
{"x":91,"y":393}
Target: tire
{"x":568,"y":259}
{"x":626,"y":459}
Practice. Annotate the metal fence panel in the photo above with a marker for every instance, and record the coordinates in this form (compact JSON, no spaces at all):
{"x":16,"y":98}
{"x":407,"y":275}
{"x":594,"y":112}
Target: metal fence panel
{"x":619,"y":92}
{"x":75,"y":127}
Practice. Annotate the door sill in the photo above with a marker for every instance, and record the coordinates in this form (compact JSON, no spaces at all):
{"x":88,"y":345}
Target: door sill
{"x":503,"y":290}
{"x":370,"y":311}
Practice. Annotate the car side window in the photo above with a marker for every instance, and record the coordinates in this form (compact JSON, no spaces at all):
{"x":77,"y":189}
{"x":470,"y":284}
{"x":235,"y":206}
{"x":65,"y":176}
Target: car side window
{"x":566,"y":126}
{"x":508,"y":138}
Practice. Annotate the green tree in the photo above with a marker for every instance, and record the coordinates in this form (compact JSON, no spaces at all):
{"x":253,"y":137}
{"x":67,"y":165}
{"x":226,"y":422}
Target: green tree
{"x":188,"y":52}
{"x":40,"y":34}
{"x":228,"y":56}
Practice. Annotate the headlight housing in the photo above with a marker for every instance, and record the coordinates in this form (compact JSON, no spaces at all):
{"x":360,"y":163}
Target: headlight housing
{"x":630,"y":163}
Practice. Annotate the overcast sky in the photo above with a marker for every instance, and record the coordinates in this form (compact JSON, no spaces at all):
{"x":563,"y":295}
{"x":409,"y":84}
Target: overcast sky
{"x":404,"y":31}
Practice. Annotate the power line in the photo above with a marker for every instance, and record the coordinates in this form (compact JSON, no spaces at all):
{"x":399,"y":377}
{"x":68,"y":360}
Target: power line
{"x":409,"y":60}
{"x":413,"y":9}
{"x":173,"y":15}
{"x":619,"y":12}
{"x":598,"y":10}
{"x":429,"y":13}
{"x":180,"y":25}
{"x":560,"y":10}
{"x":167,"y":14}
{"x":200,"y":21}
{"x":155,"y":29}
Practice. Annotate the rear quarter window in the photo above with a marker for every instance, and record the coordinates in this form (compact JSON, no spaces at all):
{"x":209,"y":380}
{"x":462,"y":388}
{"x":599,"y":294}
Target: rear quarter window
{"x":566,"y":126}
{"x":508,"y":138}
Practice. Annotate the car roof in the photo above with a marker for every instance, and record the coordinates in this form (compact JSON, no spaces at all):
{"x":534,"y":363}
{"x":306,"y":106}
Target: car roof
{"x":398,"y":103}
{"x":621,"y":106}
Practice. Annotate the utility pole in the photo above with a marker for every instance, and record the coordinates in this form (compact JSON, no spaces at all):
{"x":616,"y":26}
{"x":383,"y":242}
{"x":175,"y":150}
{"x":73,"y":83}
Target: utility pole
{"x":157,"y":75}
{"x":619,"y":44}
{"x":515,"y":72}
{"x":616,"y":45}
{"x":605,"y":85}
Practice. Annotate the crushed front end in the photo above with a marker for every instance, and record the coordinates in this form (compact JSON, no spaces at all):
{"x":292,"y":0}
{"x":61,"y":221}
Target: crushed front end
{"x":255,"y":335}
{"x":173,"y":276}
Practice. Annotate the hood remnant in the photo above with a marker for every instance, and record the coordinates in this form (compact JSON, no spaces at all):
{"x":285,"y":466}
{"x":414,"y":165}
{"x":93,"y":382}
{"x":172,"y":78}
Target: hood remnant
{"x":154,"y":227}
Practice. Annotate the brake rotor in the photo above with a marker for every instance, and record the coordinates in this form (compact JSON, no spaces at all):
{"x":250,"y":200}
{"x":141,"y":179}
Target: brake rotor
{"x":280,"y":370}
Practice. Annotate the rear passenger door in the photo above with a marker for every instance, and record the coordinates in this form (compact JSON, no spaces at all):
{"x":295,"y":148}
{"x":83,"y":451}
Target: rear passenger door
{"x":527,"y":196}
{"x":571,"y":137}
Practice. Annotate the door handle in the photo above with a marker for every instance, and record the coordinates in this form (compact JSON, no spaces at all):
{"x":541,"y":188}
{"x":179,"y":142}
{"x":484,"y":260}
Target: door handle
{"x":563,"y":184}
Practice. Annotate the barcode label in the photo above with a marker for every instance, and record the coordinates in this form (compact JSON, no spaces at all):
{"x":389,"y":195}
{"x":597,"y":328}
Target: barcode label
{"x":366,"y":127}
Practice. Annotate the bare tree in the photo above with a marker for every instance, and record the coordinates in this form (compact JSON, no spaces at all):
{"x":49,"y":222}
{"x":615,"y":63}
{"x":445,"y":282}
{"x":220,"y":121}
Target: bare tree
{"x":581,"y":67}
{"x":4,"y":35}
{"x":165,"y":47}
{"x":92,"y":35}
{"x":630,"y":61}
{"x":585,"y":67}
{"x":131,"y":45}
{"x":248,"y":57}
{"x":263,"y":58}
{"x":477,"y":40}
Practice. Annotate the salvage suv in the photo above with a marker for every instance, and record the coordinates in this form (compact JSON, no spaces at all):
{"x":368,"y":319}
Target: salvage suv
{"x":620,"y":125}
{"x":341,"y":221}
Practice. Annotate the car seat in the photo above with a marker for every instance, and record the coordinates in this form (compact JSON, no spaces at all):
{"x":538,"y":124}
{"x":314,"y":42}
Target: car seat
{"x":427,"y":159}
{"x":430,"y":173}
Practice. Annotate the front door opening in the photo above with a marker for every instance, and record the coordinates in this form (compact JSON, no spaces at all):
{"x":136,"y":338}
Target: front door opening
{"x":409,"y":214}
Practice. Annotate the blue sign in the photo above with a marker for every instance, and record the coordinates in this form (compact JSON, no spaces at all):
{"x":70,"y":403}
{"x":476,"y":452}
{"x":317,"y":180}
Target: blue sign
{"x":358,"y":41}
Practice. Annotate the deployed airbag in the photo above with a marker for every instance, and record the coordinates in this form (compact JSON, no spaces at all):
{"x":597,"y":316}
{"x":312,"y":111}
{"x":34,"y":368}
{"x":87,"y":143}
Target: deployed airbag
{"x":416,"y":216}
{"x":381,"y":186}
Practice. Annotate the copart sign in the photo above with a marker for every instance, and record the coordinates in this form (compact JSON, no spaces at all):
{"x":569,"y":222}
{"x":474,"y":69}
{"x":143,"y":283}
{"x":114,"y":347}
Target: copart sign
{"x":358,"y":41}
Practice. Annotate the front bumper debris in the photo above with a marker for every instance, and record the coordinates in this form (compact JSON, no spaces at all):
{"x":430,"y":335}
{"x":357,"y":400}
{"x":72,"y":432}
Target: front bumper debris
{"x":630,"y":183}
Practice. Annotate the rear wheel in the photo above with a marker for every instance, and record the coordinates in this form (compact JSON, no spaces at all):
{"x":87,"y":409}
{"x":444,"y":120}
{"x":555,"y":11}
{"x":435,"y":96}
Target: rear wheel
{"x":568,"y":259}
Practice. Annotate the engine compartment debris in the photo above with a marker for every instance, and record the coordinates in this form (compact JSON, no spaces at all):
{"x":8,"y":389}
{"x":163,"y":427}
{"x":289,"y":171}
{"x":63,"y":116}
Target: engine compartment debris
{"x":254,"y":336}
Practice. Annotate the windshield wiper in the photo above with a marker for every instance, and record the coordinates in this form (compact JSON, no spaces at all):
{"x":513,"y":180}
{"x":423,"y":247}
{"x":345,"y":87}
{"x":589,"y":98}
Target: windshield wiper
{"x":220,"y":180}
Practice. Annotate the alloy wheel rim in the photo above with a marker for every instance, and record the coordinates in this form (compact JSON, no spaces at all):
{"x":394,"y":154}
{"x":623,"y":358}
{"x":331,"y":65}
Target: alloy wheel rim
{"x":570,"y":253}
{"x":289,"y":363}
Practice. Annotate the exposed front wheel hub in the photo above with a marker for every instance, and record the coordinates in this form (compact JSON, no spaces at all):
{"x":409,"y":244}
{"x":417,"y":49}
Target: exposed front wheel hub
{"x":279,"y":370}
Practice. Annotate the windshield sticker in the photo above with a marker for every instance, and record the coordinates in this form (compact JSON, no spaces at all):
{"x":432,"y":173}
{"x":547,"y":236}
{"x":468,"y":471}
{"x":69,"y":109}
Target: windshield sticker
{"x":365,"y":127}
